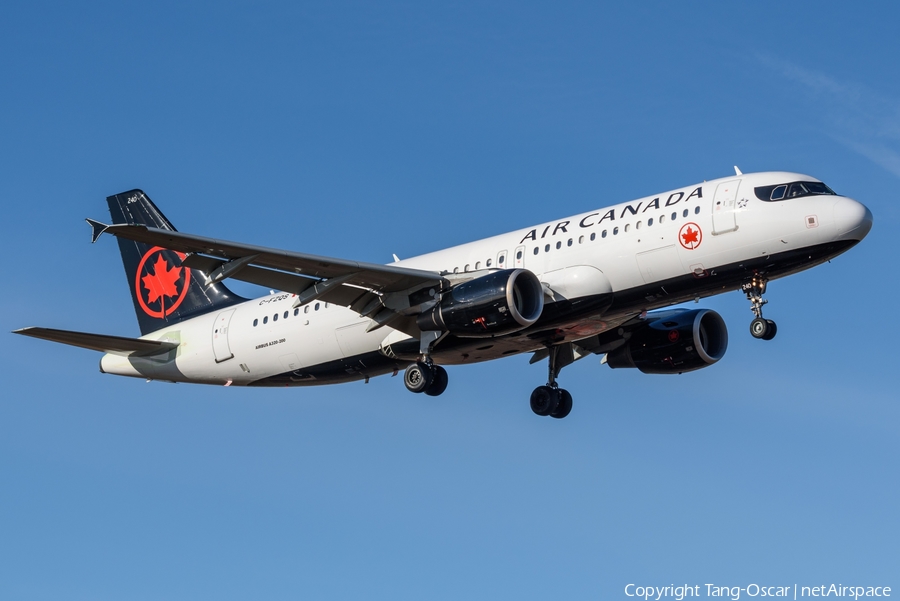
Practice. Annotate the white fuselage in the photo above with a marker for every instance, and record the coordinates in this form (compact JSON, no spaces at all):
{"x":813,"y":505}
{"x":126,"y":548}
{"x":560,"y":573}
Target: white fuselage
{"x":627,"y":249}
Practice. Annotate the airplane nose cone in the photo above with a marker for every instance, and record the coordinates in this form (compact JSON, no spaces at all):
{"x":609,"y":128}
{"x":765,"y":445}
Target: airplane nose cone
{"x":852,"y":219}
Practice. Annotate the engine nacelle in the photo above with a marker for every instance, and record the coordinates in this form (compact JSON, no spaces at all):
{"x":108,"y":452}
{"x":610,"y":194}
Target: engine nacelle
{"x":674,"y":343}
{"x":498,"y":303}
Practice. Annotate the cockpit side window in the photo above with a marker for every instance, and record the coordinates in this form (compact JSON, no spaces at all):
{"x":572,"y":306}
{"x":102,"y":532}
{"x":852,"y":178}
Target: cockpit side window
{"x":797,"y":190}
{"x":792,"y":190}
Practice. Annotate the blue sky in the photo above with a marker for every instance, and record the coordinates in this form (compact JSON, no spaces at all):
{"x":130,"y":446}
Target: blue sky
{"x":359,"y":131}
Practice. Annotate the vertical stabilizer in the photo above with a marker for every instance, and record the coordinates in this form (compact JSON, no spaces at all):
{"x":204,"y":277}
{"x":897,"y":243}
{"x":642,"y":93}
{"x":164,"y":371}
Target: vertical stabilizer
{"x":164,"y":292}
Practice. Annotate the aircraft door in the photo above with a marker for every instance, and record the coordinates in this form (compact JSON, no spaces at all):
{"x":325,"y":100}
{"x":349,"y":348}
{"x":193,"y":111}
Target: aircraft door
{"x":221,"y":349}
{"x":723,"y":207}
{"x":520,"y":257}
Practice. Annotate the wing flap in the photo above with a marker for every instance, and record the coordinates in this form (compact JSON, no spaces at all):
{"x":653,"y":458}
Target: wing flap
{"x":100,"y":342}
{"x":268,"y":278}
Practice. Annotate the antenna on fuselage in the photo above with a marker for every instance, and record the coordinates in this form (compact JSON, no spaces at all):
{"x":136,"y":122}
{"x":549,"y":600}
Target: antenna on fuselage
{"x":737,"y":171}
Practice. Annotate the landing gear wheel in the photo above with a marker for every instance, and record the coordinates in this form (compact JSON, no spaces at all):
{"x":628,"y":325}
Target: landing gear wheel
{"x":418,"y":377}
{"x":544,"y":400}
{"x":438,"y":383}
{"x":759,"y":328}
{"x":565,"y":404}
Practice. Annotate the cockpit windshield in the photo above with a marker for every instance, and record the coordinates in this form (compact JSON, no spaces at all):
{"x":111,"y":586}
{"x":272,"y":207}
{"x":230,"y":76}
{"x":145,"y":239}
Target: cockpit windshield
{"x":792,"y":190}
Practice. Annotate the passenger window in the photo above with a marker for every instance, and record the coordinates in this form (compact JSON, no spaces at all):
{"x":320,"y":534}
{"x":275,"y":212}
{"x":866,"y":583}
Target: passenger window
{"x":466,"y":268}
{"x":650,"y":222}
{"x":662,"y":219}
{"x":456,"y":270}
{"x":275,"y":317}
{"x":674,"y":216}
{"x":266,"y":319}
{"x":296,"y":311}
{"x":255,"y":322}
{"x":569,"y":243}
{"x":684,"y":213}
{"x":593,"y":236}
{"x":697,"y":210}
{"x":501,"y":259}
{"x":306,"y":309}
{"x":627,"y":226}
{"x":580,"y":239}
{"x":519,"y":255}
{"x":489,"y":262}
{"x":478,"y":263}
{"x":637,"y":225}
{"x":536,"y":250}
{"x":615,"y":231}
{"x":603,"y":235}
{"x":559,"y":245}
{"x":316,"y":308}
{"x":547,"y":248}
{"x":326,"y":305}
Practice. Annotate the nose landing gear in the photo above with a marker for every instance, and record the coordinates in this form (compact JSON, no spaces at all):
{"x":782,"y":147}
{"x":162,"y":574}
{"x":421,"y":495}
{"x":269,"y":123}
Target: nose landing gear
{"x":551,"y":399}
{"x":764,"y":329}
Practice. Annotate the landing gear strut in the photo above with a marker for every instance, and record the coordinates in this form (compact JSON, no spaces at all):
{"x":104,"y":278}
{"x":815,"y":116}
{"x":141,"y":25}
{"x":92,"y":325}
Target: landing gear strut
{"x":424,"y":375}
{"x":551,"y":399}
{"x":764,"y":329}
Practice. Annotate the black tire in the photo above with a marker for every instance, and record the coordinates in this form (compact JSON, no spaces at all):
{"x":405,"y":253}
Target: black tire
{"x":418,"y":377}
{"x":565,"y":405}
{"x":759,"y":327}
{"x":544,"y":400}
{"x":773,"y":329}
{"x":439,"y":383}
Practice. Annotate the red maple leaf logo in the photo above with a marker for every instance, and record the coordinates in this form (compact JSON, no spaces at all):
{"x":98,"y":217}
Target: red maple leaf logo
{"x":689,"y":236}
{"x":162,"y":281}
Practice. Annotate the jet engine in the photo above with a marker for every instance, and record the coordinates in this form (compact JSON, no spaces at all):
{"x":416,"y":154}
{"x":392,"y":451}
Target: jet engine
{"x":498,"y":303}
{"x":675,"y":343}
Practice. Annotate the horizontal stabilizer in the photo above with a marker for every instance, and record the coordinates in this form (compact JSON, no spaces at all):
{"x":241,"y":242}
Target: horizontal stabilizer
{"x":98,"y":342}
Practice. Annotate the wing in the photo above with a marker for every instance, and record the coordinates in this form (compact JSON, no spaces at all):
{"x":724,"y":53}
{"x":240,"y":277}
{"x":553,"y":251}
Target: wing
{"x":385,"y":293}
{"x":100,"y":342}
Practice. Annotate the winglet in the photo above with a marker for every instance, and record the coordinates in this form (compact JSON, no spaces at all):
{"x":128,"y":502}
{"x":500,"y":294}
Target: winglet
{"x":97,"y":229}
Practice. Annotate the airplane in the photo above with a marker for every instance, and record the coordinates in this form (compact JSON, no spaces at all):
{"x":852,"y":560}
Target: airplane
{"x":599,"y":283}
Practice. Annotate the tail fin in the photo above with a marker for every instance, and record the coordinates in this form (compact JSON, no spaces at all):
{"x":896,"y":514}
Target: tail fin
{"x":164,"y":292}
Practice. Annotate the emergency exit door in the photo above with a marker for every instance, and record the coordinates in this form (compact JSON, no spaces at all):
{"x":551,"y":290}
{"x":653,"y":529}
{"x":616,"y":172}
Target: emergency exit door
{"x":221,"y":349}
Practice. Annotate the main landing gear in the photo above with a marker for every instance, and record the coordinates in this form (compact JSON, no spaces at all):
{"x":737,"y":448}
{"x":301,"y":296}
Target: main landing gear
{"x":551,"y":399}
{"x":764,"y":329}
{"x":424,"y":375}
